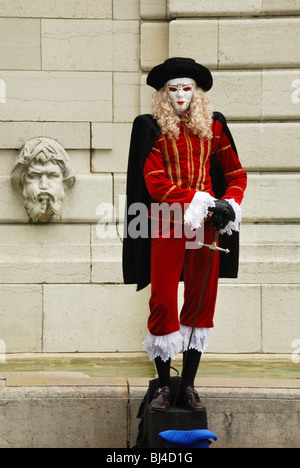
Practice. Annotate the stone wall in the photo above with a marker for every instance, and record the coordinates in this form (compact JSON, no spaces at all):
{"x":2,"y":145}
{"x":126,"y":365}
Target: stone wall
{"x":75,"y":72}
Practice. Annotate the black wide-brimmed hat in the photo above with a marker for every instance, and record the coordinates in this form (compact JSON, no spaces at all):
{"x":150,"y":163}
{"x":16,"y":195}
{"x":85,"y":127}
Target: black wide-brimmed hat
{"x":180,"y":67}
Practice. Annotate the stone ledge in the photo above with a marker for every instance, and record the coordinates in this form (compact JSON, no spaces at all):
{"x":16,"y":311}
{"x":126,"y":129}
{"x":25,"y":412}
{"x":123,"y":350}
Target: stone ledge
{"x":58,"y":96}
{"x":207,"y":384}
{"x":243,"y":413}
{"x":186,"y":8}
{"x":236,"y":406}
{"x":60,"y":379}
{"x":64,"y":417}
{"x":71,"y":135}
{"x":57,"y":9}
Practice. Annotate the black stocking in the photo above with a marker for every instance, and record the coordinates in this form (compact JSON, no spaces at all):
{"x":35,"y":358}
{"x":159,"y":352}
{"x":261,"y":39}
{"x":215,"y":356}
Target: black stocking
{"x":191,"y":361}
{"x":163,"y":370}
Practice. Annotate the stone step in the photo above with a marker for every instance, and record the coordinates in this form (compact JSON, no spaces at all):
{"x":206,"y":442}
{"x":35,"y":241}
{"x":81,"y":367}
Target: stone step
{"x":242,"y":413}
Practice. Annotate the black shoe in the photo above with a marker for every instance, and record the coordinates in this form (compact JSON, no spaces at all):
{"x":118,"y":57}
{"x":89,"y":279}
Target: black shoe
{"x":189,"y":400}
{"x":161,"y":400}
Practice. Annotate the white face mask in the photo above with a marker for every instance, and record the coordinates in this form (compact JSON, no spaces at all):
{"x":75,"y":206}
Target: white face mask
{"x":181,"y":92}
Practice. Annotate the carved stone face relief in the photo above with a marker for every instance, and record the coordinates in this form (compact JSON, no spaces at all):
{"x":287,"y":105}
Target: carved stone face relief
{"x":41,"y":173}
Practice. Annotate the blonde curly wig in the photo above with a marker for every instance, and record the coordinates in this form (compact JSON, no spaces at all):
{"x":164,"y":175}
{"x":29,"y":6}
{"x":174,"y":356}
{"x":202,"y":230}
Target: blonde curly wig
{"x":198,"y":116}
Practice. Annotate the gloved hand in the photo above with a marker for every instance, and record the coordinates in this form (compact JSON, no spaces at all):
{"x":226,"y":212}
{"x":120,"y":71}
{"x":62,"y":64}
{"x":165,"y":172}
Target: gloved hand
{"x":222,"y":214}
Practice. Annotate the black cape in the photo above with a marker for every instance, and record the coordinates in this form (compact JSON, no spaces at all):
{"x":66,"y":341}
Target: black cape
{"x":137,"y":251}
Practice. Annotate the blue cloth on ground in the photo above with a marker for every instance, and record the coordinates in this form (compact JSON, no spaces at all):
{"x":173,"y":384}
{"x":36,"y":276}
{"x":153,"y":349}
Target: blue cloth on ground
{"x":196,"y":438}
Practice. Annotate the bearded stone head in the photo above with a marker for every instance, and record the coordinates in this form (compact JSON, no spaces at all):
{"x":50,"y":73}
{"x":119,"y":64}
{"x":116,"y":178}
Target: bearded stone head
{"x":41,"y":173}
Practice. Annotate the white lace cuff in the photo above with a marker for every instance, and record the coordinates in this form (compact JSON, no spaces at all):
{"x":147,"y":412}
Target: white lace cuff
{"x":165,"y":347}
{"x":200,"y":338}
{"x":233,"y":225}
{"x":198,"y":209}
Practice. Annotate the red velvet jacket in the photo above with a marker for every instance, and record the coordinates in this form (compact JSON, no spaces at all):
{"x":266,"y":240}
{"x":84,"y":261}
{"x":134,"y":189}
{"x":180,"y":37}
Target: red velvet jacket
{"x":193,"y":164}
{"x":175,"y":169}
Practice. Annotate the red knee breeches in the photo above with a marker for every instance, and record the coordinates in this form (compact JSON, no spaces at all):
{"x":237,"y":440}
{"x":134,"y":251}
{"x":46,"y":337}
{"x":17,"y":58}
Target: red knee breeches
{"x":169,"y":256}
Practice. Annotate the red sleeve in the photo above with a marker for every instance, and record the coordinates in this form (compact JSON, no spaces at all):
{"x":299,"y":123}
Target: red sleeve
{"x":160,"y":188}
{"x":227,"y":159}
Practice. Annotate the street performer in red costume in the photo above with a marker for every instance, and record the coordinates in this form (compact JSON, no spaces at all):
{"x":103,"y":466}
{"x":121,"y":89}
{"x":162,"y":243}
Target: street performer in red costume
{"x":182,"y":157}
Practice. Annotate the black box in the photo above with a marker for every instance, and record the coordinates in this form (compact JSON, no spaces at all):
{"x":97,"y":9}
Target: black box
{"x":175,"y":419}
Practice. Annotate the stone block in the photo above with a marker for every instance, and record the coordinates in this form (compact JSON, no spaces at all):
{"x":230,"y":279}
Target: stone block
{"x":126,"y":10}
{"x":90,"y":45}
{"x":126,"y":97}
{"x":275,"y":263}
{"x":20,"y":47}
{"x":2,"y":92}
{"x":80,"y":160}
{"x":102,"y":136}
{"x":272,"y":197}
{"x":270,"y":234}
{"x":21,"y":317}
{"x":126,"y":46}
{"x":57,"y":96}
{"x":153,"y":9}
{"x":236,"y":94}
{"x":259,"y":43}
{"x":195,"y":38}
{"x":280,"y":318}
{"x":56,"y":9}
{"x":269,"y":253}
{"x":120,"y":195}
{"x":237,"y":328}
{"x":277,"y":7}
{"x":253,"y":417}
{"x":77,"y":45}
{"x":11,"y":203}
{"x":234,"y":8}
{"x":81,"y":203}
{"x":95,"y":318}
{"x":7,"y":158}
{"x":281,"y":94}
{"x":261,"y":145}
{"x":71,"y":135}
{"x":154,"y":44}
{"x":45,"y":254}
{"x":106,"y":249}
{"x":186,"y":8}
{"x":116,"y":158}
{"x":146,"y":94}
{"x":57,"y":417}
